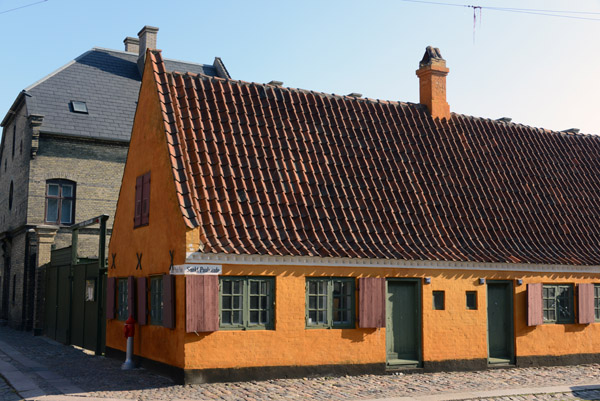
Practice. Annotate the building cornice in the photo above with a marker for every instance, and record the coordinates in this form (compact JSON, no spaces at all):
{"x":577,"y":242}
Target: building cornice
{"x":269,"y":260}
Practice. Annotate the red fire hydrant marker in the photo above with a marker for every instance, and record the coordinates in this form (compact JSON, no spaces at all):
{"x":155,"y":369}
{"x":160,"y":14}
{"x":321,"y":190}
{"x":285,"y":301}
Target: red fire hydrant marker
{"x":129,"y":331}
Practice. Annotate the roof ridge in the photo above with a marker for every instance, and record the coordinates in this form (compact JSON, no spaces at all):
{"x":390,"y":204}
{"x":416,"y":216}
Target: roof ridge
{"x":314,"y":92}
{"x":541,"y":129}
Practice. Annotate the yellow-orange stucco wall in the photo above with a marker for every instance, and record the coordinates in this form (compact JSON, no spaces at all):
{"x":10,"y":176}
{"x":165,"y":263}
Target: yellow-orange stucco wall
{"x":165,"y":232}
{"x":455,"y":333}
{"x":446,"y":335}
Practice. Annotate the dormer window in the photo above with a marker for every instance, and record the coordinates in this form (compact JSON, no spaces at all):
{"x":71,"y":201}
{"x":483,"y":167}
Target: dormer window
{"x":79,"y":107}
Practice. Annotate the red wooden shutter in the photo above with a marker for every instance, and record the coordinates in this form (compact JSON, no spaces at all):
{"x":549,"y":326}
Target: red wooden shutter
{"x":371,"y":302}
{"x":535,"y":314}
{"x":146,"y":198}
{"x":168,"y":294}
{"x":131,"y":296}
{"x":138,"y":201}
{"x":111,"y":284}
{"x":201,"y":303}
{"x":142,"y":304}
{"x":586,"y":303}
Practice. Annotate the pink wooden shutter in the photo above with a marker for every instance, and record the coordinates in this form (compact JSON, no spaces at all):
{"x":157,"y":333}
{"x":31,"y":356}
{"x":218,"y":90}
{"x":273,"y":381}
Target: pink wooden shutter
{"x":168,"y":294}
{"x":201,"y":303}
{"x":371,"y":302}
{"x":586,"y":303}
{"x":535,"y":314}
{"x":131,"y":296}
{"x":111,"y":284}
{"x":138,"y":202}
{"x":142,"y":304}
{"x":146,"y":199}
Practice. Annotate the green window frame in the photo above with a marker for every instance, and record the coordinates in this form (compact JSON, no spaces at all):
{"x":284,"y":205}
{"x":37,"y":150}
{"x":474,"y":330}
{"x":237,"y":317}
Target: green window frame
{"x":122,"y":300}
{"x":156,"y":300}
{"x":246,"y":303}
{"x":558,"y":303}
{"x":597,"y":302}
{"x":330,"y":302}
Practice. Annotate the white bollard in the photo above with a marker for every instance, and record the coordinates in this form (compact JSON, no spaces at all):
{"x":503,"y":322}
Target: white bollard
{"x":129,"y":330}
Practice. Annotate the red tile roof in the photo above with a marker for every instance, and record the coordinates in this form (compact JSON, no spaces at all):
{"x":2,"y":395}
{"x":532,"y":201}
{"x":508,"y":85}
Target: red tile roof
{"x":278,"y":171}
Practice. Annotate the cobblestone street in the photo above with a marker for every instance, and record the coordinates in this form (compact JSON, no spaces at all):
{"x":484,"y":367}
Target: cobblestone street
{"x":52,"y":371}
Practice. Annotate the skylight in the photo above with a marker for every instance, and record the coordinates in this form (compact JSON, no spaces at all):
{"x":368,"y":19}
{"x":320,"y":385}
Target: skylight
{"x":79,"y":107}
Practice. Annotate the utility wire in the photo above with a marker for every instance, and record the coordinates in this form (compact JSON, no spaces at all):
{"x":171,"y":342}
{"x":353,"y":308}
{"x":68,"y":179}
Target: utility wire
{"x":547,"y":13}
{"x":26,"y":5}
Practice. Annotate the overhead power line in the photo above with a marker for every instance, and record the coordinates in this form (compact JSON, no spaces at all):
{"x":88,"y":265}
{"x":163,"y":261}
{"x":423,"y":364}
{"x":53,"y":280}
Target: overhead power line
{"x":26,"y":5}
{"x":547,"y":13}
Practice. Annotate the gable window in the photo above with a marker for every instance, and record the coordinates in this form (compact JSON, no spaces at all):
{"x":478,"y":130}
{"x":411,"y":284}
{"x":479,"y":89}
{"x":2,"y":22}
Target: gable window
{"x":156,"y":300}
{"x":330,"y":302}
{"x":10,"y":196}
{"x":142,"y":200}
{"x":122,"y":300}
{"x":60,"y":201}
{"x":79,"y":107}
{"x":557,"y":303}
{"x":246,"y":302}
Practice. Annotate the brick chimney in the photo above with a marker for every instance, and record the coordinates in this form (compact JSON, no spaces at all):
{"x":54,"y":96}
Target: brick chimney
{"x":432,"y":83}
{"x":132,"y":45}
{"x":147,"y":41}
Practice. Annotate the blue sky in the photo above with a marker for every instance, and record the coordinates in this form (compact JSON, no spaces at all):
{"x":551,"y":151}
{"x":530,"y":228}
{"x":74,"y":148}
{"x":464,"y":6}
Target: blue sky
{"x":538,"y":70}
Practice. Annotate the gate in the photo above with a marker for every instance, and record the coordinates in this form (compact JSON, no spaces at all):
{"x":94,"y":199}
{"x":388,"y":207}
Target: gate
{"x":75,"y":294}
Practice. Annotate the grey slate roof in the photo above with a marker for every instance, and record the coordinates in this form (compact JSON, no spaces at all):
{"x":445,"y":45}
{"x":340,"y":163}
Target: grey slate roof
{"x":108,"y":81}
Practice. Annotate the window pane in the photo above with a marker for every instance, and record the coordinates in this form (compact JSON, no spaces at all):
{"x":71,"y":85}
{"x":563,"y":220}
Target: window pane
{"x":254,"y":317}
{"x":226,"y":317}
{"x":226,"y":285}
{"x":237,"y":302}
{"x":226,"y":302}
{"x":65,"y":213}
{"x":53,"y":189}
{"x":254,"y":302}
{"x":254,"y":287}
{"x":438,"y":300}
{"x":237,"y":317}
{"x":67,"y":191}
{"x":237,"y":287}
{"x":52,"y":210}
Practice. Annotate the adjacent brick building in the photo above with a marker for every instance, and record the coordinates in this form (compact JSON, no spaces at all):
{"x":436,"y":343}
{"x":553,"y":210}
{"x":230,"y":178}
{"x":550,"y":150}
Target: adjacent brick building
{"x":64,"y":145}
{"x":268,"y":231}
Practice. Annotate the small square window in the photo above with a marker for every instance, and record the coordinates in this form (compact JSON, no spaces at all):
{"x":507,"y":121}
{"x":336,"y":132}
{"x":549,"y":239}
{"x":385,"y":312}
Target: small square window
{"x":439,"y":300}
{"x":79,"y":107}
{"x":472,"y":300}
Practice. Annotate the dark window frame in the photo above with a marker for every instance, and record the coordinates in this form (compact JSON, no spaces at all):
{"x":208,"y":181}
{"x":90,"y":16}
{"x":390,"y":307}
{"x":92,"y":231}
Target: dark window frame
{"x":555,"y":303}
{"x":435,"y":302}
{"x":244,"y":307}
{"x":327,"y":307}
{"x":122,"y":299}
{"x":471,"y":307}
{"x":60,"y":198}
{"x":156,"y":300}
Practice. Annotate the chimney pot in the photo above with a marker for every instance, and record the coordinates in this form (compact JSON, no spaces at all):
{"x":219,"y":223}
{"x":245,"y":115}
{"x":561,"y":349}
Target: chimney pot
{"x":132,"y":45}
{"x":432,"y":83}
{"x":147,"y":40}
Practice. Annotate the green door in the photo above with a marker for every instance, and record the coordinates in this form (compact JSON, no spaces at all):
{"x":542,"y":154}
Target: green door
{"x":500,"y":323}
{"x":403,"y":323}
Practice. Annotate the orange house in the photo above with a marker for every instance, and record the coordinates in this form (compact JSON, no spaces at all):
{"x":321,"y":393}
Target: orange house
{"x":265,"y":231}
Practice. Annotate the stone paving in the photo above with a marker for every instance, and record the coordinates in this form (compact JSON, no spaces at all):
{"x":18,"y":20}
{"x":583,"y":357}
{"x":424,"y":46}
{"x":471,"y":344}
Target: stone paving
{"x":58,"y":370}
{"x":7,"y":393}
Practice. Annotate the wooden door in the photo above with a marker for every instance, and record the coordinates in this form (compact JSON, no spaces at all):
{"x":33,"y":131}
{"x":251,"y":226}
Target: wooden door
{"x":500,"y":323}
{"x":403,"y":323}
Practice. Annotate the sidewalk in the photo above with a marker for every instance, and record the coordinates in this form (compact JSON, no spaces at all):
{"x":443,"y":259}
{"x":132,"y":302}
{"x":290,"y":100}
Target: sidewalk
{"x":40,"y":369}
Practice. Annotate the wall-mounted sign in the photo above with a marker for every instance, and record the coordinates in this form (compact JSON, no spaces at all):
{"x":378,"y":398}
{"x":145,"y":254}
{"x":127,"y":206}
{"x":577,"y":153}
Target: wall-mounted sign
{"x":189,"y":269}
